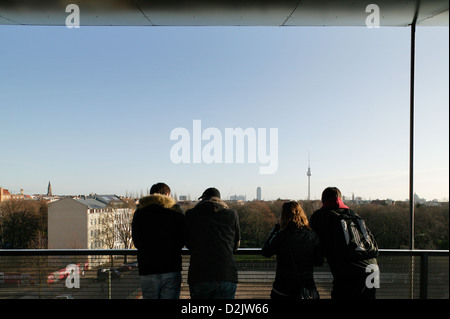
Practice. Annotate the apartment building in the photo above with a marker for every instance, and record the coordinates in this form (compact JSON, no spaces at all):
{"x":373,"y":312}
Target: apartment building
{"x":88,"y":222}
{"x":6,"y":195}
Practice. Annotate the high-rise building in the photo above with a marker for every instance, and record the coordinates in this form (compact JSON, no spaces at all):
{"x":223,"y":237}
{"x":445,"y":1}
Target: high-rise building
{"x":238,"y":198}
{"x":258,"y":193}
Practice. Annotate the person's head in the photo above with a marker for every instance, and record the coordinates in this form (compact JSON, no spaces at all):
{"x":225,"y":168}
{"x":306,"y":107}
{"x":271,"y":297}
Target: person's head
{"x":293,"y":212}
{"x":210,"y":192}
{"x":160,"y":188}
{"x":330,"y":193}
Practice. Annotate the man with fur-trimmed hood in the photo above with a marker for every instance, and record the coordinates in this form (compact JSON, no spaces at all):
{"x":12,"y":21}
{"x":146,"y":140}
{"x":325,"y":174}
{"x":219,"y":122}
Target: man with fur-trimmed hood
{"x":158,"y":235}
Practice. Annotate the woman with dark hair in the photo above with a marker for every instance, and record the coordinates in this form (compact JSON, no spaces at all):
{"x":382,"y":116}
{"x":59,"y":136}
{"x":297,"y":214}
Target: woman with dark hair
{"x":297,"y":249}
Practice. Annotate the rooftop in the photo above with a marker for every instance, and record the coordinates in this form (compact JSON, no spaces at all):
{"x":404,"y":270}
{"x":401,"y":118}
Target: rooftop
{"x":91,"y":203}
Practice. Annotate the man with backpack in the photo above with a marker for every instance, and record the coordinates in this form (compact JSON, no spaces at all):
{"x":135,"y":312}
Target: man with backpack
{"x":348,"y":246}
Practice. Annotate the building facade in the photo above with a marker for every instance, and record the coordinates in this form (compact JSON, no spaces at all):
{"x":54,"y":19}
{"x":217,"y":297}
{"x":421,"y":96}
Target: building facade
{"x":94,"y":222}
{"x":6,"y":195}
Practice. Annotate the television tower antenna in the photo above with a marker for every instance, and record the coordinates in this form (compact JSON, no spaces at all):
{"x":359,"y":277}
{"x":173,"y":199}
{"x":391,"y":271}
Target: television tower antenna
{"x":309,"y":179}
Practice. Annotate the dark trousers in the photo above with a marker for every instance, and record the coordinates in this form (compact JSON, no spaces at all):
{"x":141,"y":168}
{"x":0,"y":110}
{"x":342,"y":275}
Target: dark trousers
{"x":352,"y":289}
{"x":213,"y":290}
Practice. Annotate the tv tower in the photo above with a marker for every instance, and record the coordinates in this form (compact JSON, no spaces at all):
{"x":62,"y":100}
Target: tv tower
{"x":309,"y":179}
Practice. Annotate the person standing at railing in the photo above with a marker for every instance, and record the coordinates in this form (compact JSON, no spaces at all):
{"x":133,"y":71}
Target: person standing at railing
{"x":158,"y":235}
{"x":212,"y":236}
{"x":297,"y":249}
{"x":348,"y":246}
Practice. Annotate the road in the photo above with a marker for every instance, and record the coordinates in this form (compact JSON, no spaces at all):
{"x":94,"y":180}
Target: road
{"x":126,"y":287}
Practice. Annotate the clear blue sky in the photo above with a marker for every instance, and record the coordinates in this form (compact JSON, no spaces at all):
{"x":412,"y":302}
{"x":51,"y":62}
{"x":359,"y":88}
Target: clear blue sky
{"x":92,"y":109}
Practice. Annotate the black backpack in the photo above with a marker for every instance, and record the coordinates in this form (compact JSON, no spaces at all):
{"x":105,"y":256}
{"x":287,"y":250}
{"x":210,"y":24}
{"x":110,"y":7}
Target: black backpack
{"x":352,"y":237}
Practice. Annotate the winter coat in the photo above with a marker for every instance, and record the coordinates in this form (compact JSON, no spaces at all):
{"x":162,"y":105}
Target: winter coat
{"x":158,"y":234}
{"x":212,"y":235}
{"x":298,"y":251}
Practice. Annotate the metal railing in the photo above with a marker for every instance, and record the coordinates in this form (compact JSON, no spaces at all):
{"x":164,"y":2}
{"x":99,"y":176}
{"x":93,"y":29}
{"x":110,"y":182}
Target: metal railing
{"x":113,"y":274}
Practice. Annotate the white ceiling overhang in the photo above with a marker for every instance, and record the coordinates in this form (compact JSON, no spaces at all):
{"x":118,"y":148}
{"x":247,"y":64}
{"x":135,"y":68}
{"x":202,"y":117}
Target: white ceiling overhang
{"x":223,"y":12}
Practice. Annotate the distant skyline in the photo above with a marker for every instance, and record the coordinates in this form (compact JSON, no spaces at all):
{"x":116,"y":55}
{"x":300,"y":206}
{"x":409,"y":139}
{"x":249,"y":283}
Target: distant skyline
{"x":91,"y":109}
{"x":232,"y":196}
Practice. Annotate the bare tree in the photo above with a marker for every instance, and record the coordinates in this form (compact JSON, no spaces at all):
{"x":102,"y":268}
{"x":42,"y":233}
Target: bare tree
{"x":124,"y":215}
{"x":117,"y":224}
{"x":20,"y":221}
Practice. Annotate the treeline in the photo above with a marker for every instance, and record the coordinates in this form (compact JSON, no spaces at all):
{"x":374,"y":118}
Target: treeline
{"x":23,"y":223}
{"x":389,"y":223}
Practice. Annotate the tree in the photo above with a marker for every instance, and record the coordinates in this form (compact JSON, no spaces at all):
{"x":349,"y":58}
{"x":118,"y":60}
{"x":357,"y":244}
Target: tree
{"x":124,"y":216}
{"x":21,"y":221}
{"x":117,"y":224}
{"x":390,"y":224}
{"x":256,"y":220}
{"x":431,"y":227}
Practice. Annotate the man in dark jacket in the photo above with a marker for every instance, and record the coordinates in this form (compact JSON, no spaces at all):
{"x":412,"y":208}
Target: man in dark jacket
{"x":212,"y":235}
{"x":158,"y":235}
{"x":349,"y":275}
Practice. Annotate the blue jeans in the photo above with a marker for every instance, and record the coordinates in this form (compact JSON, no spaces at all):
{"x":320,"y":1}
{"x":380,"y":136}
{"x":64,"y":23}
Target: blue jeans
{"x":161,"y":286}
{"x":213,"y":290}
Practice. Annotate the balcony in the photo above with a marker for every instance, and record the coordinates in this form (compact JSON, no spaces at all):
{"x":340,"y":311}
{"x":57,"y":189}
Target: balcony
{"x":87,"y":274}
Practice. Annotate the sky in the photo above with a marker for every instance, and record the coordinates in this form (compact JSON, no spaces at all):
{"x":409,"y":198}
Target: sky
{"x":92,"y":110}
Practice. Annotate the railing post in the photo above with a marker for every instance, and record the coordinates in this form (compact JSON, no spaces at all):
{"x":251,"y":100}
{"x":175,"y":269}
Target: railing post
{"x":411,"y":276}
{"x":411,"y":151}
{"x":424,"y":276}
{"x":109,"y":283}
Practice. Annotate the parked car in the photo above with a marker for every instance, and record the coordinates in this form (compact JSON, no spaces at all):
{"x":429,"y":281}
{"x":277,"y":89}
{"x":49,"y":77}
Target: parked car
{"x":124,"y":267}
{"x":103,"y":274}
{"x":63,"y":296}
{"x":127,"y":266}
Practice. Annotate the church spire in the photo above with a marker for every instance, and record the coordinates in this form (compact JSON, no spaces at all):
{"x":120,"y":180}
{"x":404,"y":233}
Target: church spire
{"x":49,"y":189}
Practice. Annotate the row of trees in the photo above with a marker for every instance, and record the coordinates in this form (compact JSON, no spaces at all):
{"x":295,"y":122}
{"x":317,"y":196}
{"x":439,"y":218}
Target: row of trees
{"x":23,"y":224}
{"x":389,"y":223}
